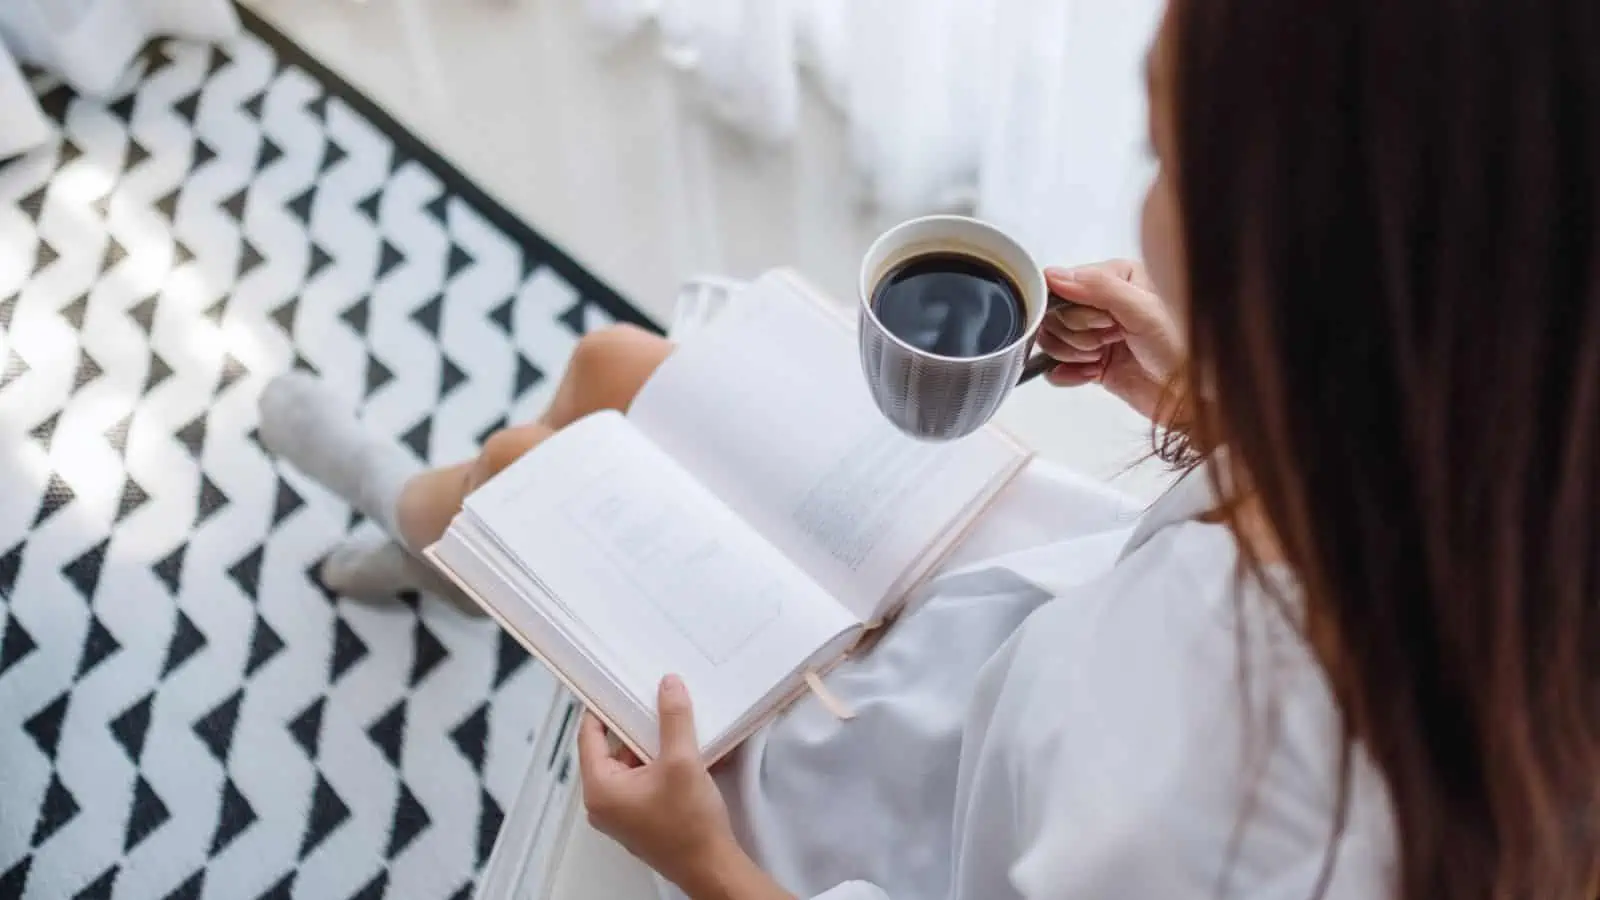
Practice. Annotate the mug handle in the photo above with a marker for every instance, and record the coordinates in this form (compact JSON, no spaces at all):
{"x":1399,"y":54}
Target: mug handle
{"x":1041,"y":362}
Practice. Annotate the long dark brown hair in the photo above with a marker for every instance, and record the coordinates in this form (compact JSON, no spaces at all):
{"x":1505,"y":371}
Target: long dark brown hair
{"x":1391,"y":215}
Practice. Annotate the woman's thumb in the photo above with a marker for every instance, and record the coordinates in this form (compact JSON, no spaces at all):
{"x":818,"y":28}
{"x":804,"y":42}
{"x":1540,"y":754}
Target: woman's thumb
{"x":677,"y":720}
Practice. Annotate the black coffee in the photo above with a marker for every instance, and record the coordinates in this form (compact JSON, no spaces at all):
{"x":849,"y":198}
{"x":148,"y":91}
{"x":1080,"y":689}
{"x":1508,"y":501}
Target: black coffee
{"x":950,"y":304}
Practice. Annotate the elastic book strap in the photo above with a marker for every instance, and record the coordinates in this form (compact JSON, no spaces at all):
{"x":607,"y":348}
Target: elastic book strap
{"x":829,"y":700}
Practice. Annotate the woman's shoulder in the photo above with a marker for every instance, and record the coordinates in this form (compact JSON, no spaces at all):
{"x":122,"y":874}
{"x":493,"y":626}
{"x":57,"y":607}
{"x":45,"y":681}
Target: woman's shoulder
{"x":1180,"y":719}
{"x":1179,"y":584}
{"x":1177,"y":639}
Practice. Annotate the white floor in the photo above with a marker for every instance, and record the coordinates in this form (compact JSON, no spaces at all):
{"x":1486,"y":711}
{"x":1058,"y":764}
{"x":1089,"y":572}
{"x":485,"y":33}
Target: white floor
{"x":598,"y":149}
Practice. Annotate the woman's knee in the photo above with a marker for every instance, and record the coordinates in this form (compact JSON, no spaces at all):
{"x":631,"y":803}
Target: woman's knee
{"x":611,"y":343}
{"x":610,"y":364}
{"x":503,"y":448}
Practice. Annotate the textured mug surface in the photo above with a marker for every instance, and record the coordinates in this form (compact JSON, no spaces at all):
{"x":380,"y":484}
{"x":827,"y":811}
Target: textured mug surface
{"x":925,"y":395}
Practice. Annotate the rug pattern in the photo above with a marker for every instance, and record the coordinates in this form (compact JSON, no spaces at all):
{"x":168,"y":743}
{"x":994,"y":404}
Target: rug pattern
{"x":184,"y":710}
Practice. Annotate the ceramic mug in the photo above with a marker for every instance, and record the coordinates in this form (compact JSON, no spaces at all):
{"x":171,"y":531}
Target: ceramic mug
{"x":941,"y":398}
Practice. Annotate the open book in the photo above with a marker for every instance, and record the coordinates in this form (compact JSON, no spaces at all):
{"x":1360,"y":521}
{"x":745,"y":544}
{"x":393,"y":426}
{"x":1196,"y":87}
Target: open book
{"x":743,"y":526}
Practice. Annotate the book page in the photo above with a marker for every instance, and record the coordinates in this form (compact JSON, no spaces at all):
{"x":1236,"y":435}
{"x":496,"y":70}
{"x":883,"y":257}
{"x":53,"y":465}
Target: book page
{"x":650,"y":574}
{"x":769,"y":409}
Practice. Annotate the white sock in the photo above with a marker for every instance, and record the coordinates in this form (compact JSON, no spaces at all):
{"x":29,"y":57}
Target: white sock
{"x":373,"y":569}
{"x":303,"y":422}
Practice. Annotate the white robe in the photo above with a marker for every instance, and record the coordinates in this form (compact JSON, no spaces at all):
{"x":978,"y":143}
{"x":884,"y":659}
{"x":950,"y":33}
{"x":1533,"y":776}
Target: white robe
{"x":1062,"y":715}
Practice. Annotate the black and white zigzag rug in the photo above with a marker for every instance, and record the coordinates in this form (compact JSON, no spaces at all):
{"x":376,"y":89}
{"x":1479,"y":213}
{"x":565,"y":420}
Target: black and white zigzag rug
{"x":184,"y":712}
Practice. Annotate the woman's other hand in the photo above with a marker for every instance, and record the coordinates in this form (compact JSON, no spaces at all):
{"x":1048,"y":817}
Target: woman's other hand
{"x":668,"y":812}
{"x":1117,"y":333}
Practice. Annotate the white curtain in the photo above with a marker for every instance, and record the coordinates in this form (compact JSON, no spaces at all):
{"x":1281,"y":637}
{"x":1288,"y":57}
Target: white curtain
{"x":1029,"y":112}
{"x":88,"y":44}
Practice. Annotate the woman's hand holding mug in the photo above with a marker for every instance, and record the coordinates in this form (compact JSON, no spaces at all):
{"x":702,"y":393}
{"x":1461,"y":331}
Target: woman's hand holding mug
{"x":1116,"y":333}
{"x":1095,"y":324}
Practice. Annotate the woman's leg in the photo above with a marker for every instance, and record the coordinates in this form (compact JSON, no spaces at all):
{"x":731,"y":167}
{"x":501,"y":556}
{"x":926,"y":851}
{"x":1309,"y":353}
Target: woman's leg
{"x":606,"y":372}
{"x":302,"y":422}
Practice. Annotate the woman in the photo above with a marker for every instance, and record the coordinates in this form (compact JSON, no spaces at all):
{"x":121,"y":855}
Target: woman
{"x":1357,"y":654}
{"x":1380,"y":225}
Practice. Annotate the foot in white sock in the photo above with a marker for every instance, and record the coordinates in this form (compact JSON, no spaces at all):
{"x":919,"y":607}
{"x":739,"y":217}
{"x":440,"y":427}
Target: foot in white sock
{"x":373,"y":569}
{"x":303,"y":422}
{"x":369,"y":568}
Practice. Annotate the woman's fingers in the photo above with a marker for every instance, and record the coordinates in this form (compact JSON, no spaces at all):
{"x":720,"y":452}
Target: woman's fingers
{"x":1081,"y":318}
{"x":1091,"y":340}
{"x":1083,"y":339}
{"x":1062,"y":350}
{"x":1082,"y":327}
{"x":1133,"y":308}
{"x":1075,"y":374}
{"x":595,"y":761}
{"x":625,"y":755}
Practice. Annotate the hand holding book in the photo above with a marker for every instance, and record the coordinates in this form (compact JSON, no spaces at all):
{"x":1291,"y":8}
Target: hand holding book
{"x":668,"y":813}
